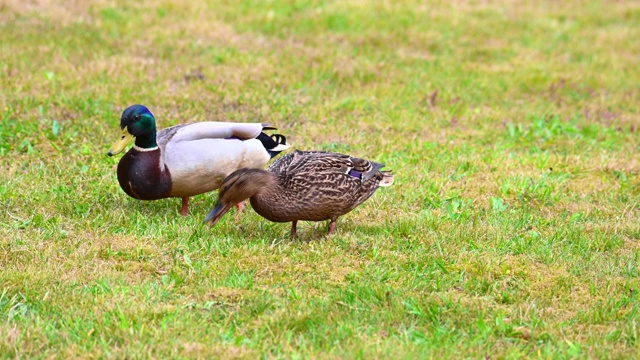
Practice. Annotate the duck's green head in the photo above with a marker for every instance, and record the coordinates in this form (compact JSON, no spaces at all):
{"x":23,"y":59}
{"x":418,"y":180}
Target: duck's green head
{"x":138,"y":123}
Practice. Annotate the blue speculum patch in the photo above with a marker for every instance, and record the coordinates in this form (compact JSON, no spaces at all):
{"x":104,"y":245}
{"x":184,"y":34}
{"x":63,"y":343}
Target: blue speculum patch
{"x":355,"y":174}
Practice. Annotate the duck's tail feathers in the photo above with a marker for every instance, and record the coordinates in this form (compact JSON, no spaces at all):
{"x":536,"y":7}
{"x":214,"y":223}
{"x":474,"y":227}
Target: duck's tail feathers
{"x":274,"y":144}
{"x":365,"y":166}
{"x":266,"y":126}
{"x":368,"y":169}
{"x":376,"y":166}
{"x":387,"y":178}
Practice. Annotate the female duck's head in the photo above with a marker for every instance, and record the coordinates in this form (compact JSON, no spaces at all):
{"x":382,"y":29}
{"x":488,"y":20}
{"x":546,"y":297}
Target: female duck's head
{"x":240,"y":185}
{"x":138,"y":123}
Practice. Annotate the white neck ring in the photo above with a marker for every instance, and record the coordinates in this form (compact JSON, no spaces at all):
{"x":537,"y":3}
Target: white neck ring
{"x":143,"y":149}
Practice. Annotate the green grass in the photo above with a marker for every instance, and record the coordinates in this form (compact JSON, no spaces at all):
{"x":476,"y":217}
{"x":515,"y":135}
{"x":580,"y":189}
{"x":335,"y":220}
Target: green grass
{"x":512,"y":228}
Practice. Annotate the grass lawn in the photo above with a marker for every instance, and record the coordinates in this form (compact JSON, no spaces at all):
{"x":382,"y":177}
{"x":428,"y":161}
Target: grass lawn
{"x":512,"y":228}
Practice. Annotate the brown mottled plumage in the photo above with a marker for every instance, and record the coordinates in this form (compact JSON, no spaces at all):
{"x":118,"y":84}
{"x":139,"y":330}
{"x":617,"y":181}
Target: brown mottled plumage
{"x":305,"y":185}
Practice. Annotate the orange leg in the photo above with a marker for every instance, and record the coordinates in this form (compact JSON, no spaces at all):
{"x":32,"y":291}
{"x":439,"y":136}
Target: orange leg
{"x":240,"y":207}
{"x":332,"y":227}
{"x":185,"y":206}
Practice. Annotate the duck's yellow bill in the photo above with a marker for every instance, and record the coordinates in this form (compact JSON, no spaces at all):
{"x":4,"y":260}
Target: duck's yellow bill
{"x":121,"y":143}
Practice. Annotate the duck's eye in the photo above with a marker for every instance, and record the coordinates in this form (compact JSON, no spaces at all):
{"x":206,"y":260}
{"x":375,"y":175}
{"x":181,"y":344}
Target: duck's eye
{"x":137,"y":117}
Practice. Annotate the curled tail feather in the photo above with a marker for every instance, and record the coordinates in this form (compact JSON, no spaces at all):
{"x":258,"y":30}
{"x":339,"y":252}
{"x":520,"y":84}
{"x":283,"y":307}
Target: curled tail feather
{"x":274,"y":144}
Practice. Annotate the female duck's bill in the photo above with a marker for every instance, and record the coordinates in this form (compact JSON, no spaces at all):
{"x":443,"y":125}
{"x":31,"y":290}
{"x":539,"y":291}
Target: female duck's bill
{"x":217,"y":213}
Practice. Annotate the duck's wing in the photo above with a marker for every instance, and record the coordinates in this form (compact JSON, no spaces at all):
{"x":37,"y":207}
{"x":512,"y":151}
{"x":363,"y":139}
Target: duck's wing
{"x":293,"y":161}
{"x":327,"y":162}
{"x":323,"y":183}
{"x":327,"y":183}
{"x":321,"y":166}
{"x":279,"y":166}
{"x":210,"y":130}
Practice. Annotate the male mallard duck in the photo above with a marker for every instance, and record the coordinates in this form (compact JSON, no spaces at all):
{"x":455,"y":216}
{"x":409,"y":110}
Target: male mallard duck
{"x":305,"y":185}
{"x":188,"y":159}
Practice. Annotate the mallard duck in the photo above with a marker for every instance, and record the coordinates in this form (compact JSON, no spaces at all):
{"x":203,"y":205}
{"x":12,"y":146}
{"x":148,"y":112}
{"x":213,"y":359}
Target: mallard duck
{"x":304,"y":185}
{"x":188,"y":159}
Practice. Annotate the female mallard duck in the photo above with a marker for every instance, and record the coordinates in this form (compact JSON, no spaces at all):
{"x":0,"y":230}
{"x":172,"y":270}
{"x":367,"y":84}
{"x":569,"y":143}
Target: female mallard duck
{"x":188,"y":159}
{"x":305,"y":185}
